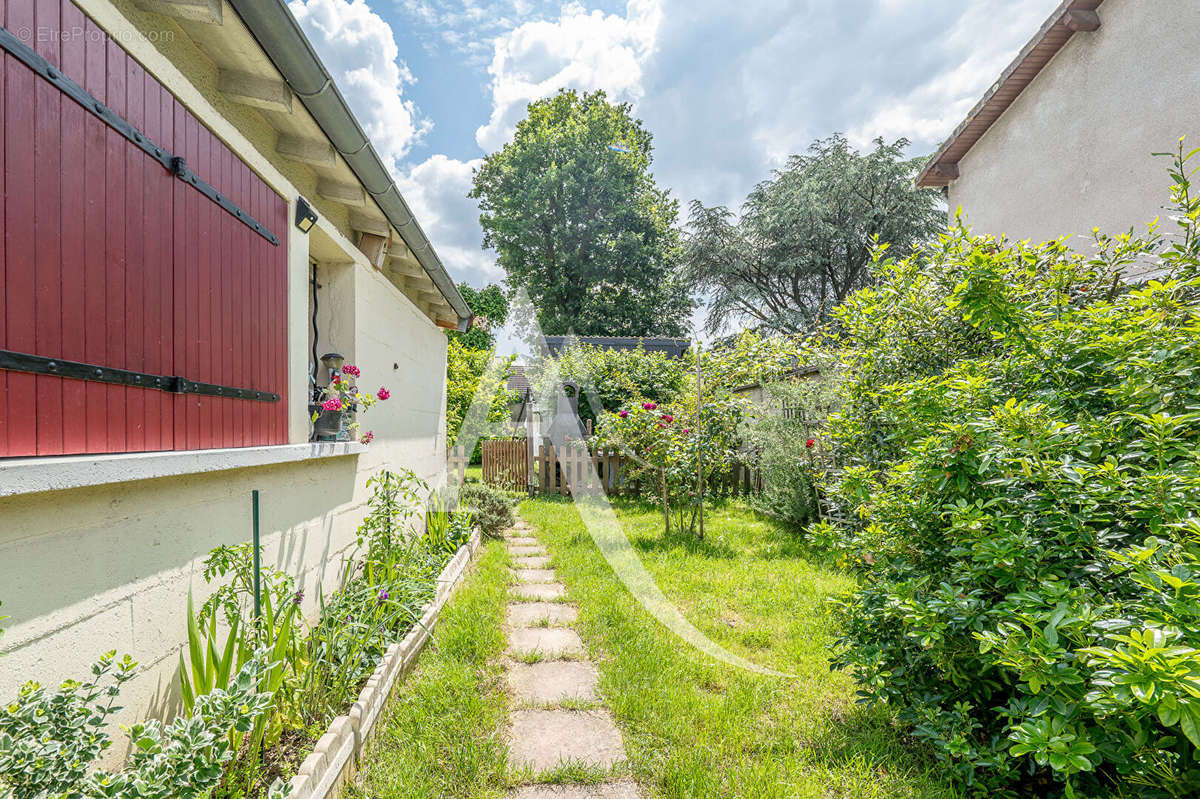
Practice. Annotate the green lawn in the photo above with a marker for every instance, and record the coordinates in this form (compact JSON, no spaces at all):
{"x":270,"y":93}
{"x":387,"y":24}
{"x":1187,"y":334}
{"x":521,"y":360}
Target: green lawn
{"x":442,"y":733}
{"x":698,"y":728}
{"x":693,"y":727}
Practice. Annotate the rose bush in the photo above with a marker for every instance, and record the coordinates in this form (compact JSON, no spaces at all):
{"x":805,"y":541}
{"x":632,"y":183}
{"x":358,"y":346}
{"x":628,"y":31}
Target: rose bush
{"x":667,"y":446}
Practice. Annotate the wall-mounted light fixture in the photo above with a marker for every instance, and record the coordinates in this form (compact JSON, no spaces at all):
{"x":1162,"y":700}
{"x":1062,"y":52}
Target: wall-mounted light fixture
{"x":333,"y":363}
{"x":306,"y":217}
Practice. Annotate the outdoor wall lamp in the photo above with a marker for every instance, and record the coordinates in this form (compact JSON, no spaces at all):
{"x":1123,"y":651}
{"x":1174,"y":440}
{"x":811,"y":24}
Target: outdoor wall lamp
{"x":306,"y":217}
{"x":333,"y":363}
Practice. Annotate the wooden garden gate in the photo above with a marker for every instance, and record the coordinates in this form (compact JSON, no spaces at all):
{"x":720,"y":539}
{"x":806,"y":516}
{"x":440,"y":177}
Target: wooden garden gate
{"x":506,"y":463}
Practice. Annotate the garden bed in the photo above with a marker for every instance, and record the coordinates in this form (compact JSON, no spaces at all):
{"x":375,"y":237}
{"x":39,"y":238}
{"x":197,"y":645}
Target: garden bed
{"x":334,"y":758}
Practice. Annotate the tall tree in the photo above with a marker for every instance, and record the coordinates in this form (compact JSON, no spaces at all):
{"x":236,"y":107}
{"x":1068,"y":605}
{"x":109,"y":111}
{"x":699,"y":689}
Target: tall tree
{"x":490,"y":309}
{"x":804,"y":238}
{"x":578,"y":222}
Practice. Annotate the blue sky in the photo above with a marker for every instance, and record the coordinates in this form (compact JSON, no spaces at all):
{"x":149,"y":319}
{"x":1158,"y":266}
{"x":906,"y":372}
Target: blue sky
{"x":729,"y":89}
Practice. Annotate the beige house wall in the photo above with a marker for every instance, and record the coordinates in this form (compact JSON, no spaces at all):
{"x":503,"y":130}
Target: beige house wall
{"x":1073,"y":151}
{"x":107,"y":564}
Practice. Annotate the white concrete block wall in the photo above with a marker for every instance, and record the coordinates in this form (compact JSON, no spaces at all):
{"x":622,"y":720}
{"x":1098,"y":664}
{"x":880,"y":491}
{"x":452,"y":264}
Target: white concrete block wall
{"x":89,"y":569}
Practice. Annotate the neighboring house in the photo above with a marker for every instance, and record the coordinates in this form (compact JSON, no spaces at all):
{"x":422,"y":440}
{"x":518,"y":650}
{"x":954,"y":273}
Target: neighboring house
{"x":672,"y":347}
{"x":192,"y":217}
{"x":1062,"y":142}
{"x":756,"y":392}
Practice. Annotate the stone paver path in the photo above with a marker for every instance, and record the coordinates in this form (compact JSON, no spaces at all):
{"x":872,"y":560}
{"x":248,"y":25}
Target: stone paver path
{"x":558,"y":716}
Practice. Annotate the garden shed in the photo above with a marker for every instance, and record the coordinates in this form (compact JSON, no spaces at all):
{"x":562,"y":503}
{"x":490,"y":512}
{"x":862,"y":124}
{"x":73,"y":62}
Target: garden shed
{"x":196,"y":229}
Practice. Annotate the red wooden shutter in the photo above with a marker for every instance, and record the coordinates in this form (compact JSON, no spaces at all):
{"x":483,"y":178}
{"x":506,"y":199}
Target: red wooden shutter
{"x":109,"y":259}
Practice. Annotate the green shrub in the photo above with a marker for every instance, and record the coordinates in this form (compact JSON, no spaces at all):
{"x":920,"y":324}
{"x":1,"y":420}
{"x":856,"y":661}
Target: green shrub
{"x":50,"y":742}
{"x":1020,"y":482}
{"x":617,"y":377}
{"x":468,"y":372}
{"x":492,"y":508}
{"x":787,"y":436}
{"x":668,"y":445}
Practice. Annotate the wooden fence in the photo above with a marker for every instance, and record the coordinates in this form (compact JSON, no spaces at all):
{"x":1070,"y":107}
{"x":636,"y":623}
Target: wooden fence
{"x":557,"y":471}
{"x":507,"y":463}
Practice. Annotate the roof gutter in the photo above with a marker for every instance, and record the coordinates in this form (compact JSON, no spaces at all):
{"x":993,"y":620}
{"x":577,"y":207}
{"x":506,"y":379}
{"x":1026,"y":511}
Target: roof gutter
{"x":281,"y":37}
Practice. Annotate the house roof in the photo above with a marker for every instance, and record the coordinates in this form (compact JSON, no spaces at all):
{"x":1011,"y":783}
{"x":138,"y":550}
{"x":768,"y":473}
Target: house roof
{"x":672,"y":347}
{"x":800,"y":370}
{"x":518,"y":380}
{"x":1071,"y":17}
{"x":280,"y":36}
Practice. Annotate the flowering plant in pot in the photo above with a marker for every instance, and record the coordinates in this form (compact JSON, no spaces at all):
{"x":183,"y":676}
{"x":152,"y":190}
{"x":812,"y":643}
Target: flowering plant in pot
{"x":336,"y":401}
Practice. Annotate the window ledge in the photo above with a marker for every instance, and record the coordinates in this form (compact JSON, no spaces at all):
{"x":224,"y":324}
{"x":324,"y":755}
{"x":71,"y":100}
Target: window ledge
{"x":33,"y":475}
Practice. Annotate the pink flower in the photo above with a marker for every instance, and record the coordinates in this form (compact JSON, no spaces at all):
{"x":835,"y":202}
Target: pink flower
{"x":661,"y":425}
{"x":623,"y":414}
{"x":350,"y":369}
{"x":648,"y":406}
{"x":668,"y":418}
{"x":367,"y":437}
{"x":332,"y":404}
{"x":687,"y":430}
{"x":383,"y":393}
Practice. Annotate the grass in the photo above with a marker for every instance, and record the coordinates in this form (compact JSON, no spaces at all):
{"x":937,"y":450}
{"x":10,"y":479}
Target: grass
{"x":694,"y":727}
{"x":441,"y":732}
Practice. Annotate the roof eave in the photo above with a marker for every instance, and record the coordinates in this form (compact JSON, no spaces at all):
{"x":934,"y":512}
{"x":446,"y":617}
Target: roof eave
{"x":284,"y":42}
{"x":1071,"y":17}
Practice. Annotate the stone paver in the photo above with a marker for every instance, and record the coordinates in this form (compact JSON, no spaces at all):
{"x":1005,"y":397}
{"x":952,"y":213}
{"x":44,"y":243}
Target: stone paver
{"x":535,"y":575}
{"x":537,"y":614}
{"x":553,"y":682}
{"x":540,"y":591}
{"x":544,"y":739}
{"x":544,"y":733}
{"x":613,"y":790}
{"x":550,"y":641}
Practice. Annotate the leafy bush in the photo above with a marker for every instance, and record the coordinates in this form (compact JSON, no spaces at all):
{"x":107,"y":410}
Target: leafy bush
{"x":617,"y":377}
{"x":467,"y":372}
{"x":664,"y":444}
{"x":1020,"y":481}
{"x":791,"y":452}
{"x":50,"y":742}
{"x":750,"y":357}
{"x":384,"y":587}
{"x":491,"y":507}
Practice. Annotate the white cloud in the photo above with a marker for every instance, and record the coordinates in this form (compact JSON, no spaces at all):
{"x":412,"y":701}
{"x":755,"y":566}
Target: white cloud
{"x":728,"y":90}
{"x":436,"y":190}
{"x":580,"y":50}
{"x":359,"y":49}
{"x":930,"y":110}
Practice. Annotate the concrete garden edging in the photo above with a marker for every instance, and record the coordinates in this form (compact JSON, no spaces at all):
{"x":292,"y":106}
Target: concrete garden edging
{"x":334,"y":759}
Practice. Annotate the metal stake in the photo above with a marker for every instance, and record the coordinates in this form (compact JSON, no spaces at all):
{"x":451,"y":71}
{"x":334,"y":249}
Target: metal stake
{"x":699,"y":440}
{"x":257,"y":559}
